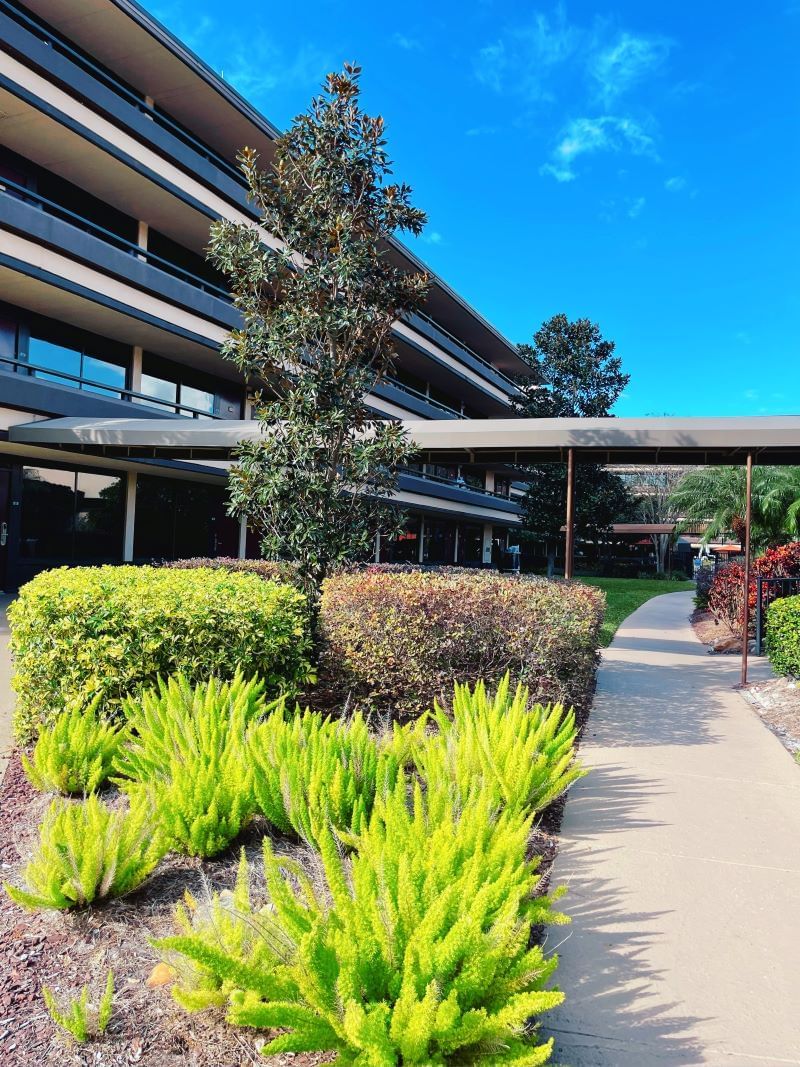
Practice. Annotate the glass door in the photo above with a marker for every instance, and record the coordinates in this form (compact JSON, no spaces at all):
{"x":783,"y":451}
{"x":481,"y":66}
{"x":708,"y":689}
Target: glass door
{"x":5,"y":492}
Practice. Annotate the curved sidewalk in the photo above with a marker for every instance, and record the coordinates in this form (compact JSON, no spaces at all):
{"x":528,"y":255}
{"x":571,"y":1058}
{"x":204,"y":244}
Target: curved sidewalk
{"x":681,"y":850}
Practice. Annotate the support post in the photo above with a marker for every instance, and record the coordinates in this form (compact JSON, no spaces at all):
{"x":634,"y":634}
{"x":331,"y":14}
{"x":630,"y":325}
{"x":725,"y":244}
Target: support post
{"x":241,"y":546}
{"x":569,"y":550}
{"x":748,"y":514}
{"x":130,"y":517}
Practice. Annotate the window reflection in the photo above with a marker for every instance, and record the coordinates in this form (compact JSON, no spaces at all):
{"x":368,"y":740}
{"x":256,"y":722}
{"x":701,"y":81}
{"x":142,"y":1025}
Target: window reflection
{"x":70,"y":516}
{"x":197,"y":398}
{"x":62,"y":360}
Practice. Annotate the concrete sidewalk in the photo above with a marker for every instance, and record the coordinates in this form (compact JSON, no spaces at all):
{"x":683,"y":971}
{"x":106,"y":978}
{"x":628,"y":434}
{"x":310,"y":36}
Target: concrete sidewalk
{"x":681,"y":850}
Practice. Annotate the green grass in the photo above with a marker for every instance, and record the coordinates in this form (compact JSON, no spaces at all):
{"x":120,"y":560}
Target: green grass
{"x":625,"y":595}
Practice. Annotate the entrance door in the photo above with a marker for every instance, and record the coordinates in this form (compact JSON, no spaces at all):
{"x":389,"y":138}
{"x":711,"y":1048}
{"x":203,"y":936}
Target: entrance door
{"x":5,"y":492}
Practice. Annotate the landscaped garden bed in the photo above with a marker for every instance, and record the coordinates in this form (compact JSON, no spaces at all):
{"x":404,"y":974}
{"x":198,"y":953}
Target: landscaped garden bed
{"x":66,"y":950}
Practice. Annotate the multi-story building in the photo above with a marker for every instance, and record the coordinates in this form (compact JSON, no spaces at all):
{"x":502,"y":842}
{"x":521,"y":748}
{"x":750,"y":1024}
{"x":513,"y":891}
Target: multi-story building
{"x":117,"y":149}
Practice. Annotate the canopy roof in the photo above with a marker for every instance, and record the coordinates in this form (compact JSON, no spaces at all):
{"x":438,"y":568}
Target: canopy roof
{"x":523,"y":442}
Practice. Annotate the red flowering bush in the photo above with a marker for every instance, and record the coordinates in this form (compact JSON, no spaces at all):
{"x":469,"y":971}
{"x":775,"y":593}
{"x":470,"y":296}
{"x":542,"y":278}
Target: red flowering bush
{"x":726,"y":597}
{"x":396,"y":639}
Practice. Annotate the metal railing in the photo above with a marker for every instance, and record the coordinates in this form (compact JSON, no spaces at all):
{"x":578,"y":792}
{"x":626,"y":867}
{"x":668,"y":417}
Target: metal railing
{"x":94,"y":229}
{"x":767,"y":590}
{"x":454,"y":483}
{"x":64,"y":47}
{"x":461,"y":344}
{"x":21,"y":365}
{"x":422,"y":396}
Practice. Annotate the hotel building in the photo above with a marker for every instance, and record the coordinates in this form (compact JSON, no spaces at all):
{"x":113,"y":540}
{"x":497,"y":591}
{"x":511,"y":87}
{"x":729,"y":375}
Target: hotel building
{"x":117,"y":149}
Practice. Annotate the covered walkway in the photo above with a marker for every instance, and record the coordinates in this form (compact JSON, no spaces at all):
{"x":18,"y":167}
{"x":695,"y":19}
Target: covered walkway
{"x":680,"y":850}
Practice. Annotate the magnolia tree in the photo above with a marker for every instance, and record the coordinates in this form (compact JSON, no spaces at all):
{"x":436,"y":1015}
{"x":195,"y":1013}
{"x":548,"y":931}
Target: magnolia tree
{"x":318,"y":299}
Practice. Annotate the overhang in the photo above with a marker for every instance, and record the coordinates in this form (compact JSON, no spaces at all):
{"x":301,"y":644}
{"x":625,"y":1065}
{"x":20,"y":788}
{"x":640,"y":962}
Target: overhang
{"x":520,"y":442}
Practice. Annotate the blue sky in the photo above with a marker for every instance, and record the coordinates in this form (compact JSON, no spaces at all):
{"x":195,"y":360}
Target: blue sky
{"x":636,"y":164}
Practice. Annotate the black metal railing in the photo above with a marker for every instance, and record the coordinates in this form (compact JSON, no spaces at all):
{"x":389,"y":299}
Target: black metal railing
{"x":94,"y":229}
{"x":767,"y":590}
{"x":422,"y":396}
{"x":466,"y":348}
{"x":64,"y":47}
{"x":21,"y":365}
{"x":455,"y":483}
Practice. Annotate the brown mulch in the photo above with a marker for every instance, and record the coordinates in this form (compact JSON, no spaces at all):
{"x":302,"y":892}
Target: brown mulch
{"x":776,"y":701}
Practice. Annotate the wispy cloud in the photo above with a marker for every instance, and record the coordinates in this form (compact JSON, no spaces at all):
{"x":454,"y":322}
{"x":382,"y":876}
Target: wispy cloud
{"x":675,"y":185}
{"x":524,"y":59}
{"x":618,"y":67}
{"x":408,"y":44}
{"x":433,"y":237}
{"x":586,"y":136}
{"x":636,"y":207}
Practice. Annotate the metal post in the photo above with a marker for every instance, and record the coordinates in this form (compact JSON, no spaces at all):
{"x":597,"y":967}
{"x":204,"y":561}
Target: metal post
{"x":748,"y":513}
{"x":569,"y":549}
{"x":759,"y":614}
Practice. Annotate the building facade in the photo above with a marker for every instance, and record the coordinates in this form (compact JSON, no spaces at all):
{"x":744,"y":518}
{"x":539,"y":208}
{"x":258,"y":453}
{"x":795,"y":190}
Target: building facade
{"x":117,"y":149}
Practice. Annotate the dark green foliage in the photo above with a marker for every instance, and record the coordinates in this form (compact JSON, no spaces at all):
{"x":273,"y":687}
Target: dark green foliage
{"x":187,"y":755}
{"x":783,"y":635}
{"x":318,"y":308}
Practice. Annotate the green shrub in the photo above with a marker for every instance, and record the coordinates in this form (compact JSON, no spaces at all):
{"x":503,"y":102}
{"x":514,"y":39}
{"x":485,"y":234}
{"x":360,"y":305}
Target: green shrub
{"x":398,"y":639}
{"x":271,"y":570}
{"x":76,"y":1019}
{"x":76,"y":754}
{"x":112,"y":631}
{"x":88,"y":851}
{"x":187,"y":754}
{"x":783,"y":635}
{"x":416,"y":950}
{"x":311,"y":772}
{"x":521,"y":756}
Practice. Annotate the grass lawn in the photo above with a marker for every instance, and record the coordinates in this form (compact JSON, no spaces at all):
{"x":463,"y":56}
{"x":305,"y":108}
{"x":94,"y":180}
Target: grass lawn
{"x":624,"y":595}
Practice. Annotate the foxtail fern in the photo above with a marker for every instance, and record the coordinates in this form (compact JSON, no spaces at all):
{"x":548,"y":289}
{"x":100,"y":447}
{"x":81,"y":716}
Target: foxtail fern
{"x":76,"y":1019}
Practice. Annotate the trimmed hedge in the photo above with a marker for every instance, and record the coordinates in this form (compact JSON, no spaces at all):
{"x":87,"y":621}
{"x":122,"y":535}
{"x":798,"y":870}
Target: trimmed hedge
{"x":396,"y":639}
{"x":83,"y":631}
{"x":783,"y":635}
{"x":271,"y":570}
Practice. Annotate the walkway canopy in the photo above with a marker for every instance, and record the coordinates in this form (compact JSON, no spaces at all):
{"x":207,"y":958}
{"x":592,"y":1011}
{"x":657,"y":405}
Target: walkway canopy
{"x":770,"y":439}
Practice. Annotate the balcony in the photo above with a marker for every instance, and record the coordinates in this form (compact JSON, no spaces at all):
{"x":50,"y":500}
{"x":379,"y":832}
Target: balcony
{"x":450,"y":343}
{"x":455,"y":489}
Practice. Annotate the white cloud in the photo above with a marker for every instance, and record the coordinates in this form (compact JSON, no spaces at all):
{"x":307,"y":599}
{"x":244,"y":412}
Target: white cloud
{"x":408,"y":44}
{"x":587,"y":136}
{"x":432,"y":238}
{"x":617,"y":67}
{"x":675,"y":185}
{"x":524,"y":59}
{"x":636,"y":207}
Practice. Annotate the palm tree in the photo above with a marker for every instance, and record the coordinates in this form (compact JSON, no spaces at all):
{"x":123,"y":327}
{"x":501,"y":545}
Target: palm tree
{"x":716,"y":495}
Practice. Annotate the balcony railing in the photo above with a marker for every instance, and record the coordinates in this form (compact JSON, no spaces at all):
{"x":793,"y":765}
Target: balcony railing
{"x":422,"y":396}
{"x":20,"y":365}
{"x":50,"y":207}
{"x":471,"y":351}
{"x":454,"y":483}
{"x":64,"y":47}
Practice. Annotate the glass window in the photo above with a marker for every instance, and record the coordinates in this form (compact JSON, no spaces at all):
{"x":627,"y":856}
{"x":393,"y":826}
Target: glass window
{"x":55,"y":358}
{"x":197,"y":398}
{"x":100,"y":370}
{"x":159,"y":389}
{"x":99,"y":516}
{"x":48,"y":513}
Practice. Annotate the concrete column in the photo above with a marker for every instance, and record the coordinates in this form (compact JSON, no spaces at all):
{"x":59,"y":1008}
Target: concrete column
{"x":136,"y":369}
{"x":377,"y":547}
{"x":487,"y":541}
{"x":489,"y":483}
{"x":130,"y":518}
{"x":241,"y":548}
{"x":455,"y":545}
{"x":149,"y":102}
{"x":421,"y":554}
{"x":142,"y":234}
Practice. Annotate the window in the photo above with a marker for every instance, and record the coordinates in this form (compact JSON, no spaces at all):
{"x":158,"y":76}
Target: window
{"x":71,"y":516}
{"x":160,"y":390}
{"x":177,"y":519}
{"x":71,"y":365}
{"x":166,"y":387}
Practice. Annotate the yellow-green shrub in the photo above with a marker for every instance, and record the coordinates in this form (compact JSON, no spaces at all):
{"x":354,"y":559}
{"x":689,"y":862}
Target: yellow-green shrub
{"x":76,"y":753}
{"x":112,"y":631}
{"x":399,"y":639}
{"x":521,"y":756}
{"x":186,"y":753}
{"x":88,"y":851}
{"x":77,"y":1019}
{"x":311,"y":772}
{"x":783,"y":635}
{"x":416,"y":950}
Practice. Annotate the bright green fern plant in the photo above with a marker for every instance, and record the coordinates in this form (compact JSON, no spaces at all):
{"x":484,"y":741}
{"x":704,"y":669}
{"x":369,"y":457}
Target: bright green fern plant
{"x":88,"y":851}
{"x":187,"y":753}
{"x":76,"y":753}
{"x":521,"y":756}
{"x":415,"y":951}
{"x":77,"y":1019}
{"x":311,"y":773}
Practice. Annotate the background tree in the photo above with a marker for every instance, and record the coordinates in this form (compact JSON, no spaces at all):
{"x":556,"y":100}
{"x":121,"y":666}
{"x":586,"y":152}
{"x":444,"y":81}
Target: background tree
{"x":652,"y":488}
{"x":318,"y":305}
{"x":577,"y":375}
{"x":716,"y":495}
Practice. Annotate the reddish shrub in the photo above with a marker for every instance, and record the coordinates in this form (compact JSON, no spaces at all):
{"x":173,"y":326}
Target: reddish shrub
{"x":397,"y":639}
{"x":270,"y":570}
{"x":726,"y":597}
